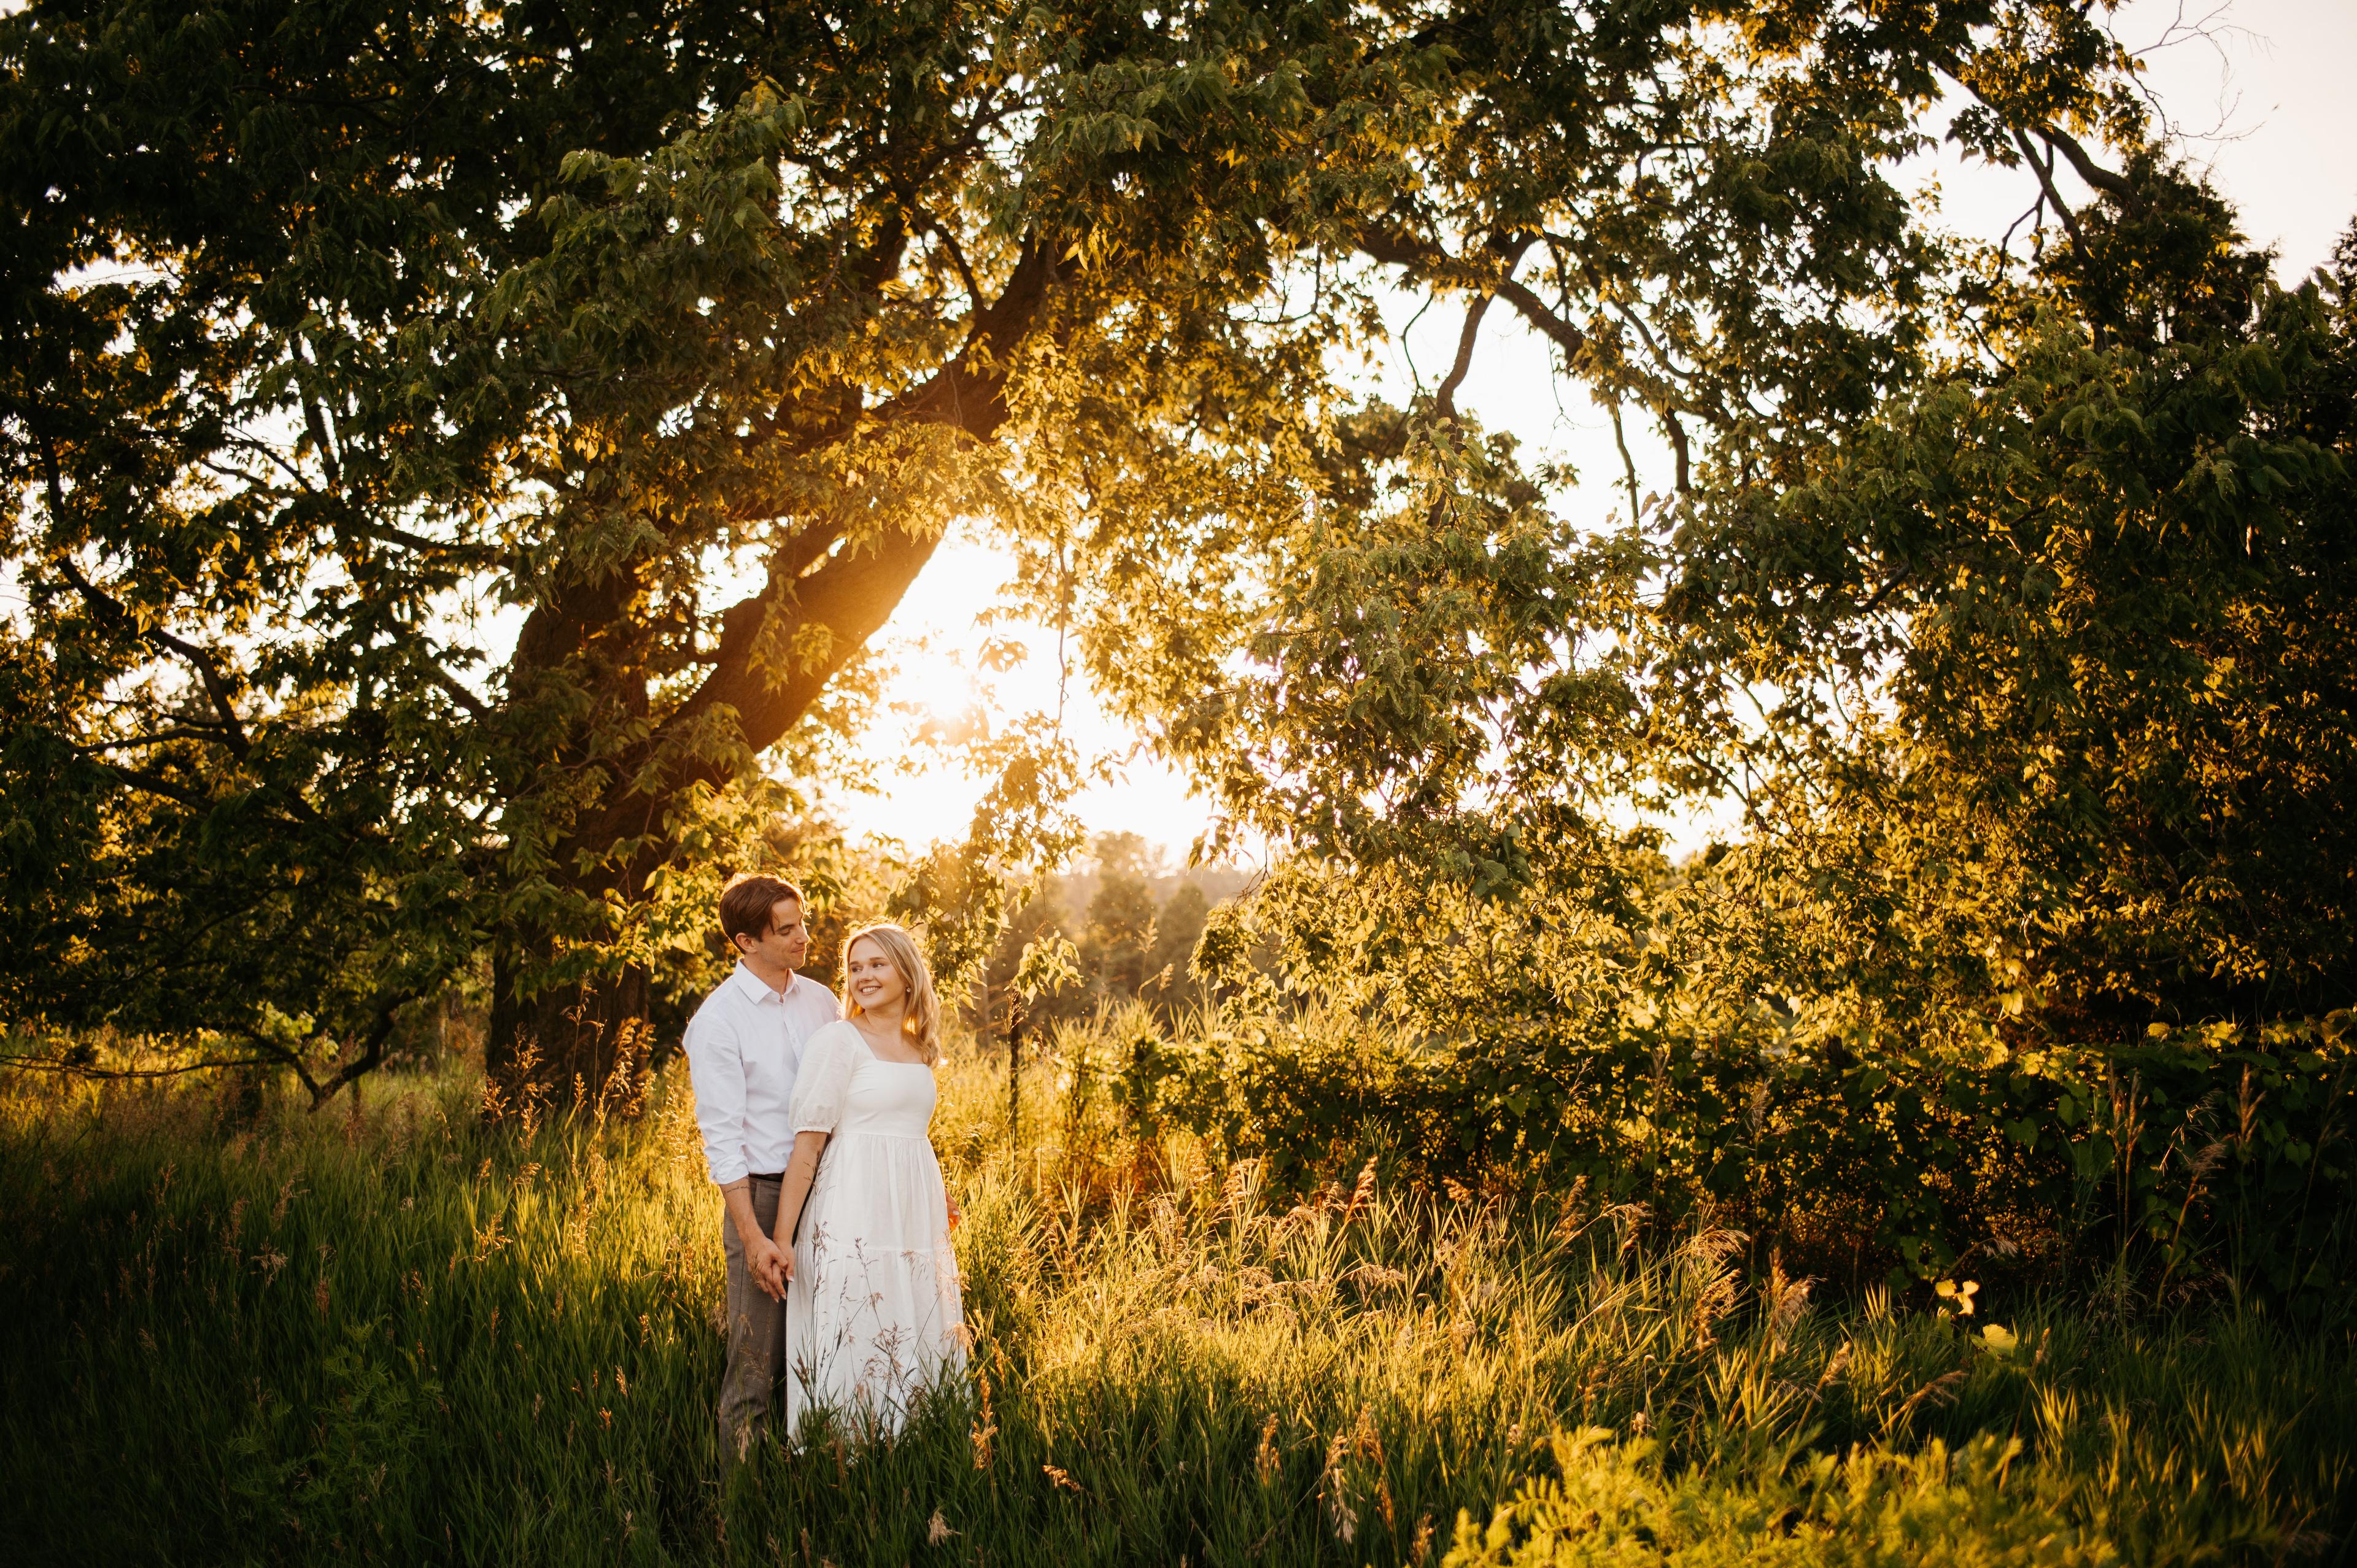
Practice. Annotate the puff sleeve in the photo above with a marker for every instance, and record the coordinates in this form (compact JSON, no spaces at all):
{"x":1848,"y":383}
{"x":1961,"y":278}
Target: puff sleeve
{"x":824,"y":1080}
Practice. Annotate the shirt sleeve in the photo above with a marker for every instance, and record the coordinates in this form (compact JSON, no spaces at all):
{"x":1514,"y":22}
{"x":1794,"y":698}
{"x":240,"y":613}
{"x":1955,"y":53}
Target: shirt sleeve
{"x":829,"y":1059}
{"x":715,"y":1066}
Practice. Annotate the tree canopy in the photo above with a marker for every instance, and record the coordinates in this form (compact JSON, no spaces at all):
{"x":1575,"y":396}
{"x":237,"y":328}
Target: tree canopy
{"x":456,"y":457}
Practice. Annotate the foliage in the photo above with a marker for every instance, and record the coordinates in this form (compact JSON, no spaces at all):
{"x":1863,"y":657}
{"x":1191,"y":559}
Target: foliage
{"x":2033,"y":690}
{"x":456,"y":449}
{"x":416,"y":1336}
{"x":1608,"y":1504}
{"x":2063,"y":650}
{"x":1523,"y":1045}
{"x":2031,"y":687}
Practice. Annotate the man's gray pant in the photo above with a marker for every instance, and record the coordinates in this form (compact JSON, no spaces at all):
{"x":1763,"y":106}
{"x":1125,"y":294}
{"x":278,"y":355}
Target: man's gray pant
{"x":756,"y":1335}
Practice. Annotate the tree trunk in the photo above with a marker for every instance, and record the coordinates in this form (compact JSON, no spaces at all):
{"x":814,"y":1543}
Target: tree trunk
{"x":561,"y":1043}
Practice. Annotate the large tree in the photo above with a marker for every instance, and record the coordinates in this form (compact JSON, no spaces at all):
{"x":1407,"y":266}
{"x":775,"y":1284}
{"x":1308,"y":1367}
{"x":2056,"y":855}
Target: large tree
{"x":447,"y":448}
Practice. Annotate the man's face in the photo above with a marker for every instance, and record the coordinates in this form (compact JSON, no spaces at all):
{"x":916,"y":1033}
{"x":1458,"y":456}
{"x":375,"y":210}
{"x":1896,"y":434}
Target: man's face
{"x":788,"y":941}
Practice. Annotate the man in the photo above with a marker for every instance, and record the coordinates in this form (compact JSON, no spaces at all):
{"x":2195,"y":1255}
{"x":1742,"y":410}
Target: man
{"x":743,"y":1046}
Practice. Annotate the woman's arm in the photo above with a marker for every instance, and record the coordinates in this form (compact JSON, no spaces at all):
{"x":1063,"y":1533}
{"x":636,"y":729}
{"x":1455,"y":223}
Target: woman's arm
{"x":802,"y":1170}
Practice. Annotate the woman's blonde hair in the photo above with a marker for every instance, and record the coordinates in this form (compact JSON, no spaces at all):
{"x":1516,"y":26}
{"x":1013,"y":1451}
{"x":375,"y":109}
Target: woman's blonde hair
{"x":921,"y":1019}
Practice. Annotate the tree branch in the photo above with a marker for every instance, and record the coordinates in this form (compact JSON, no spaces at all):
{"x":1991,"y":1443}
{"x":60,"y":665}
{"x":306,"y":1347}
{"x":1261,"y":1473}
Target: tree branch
{"x":1539,"y":314}
{"x":2045,"y":172}
{"x":1443,"y":401}
{"x":1628,"y":465}
{"x":2093,"y":173}
{"x":330,"y":462}
{"x":848,"y":597}
{"x":68,"y":1066}
{"x":112,"y":609}
{"x":2097,"y":176}
{"x":1427,"y":260}
{"x":384,"y":533}
{"x":458,"y":694}
{"x":161,"y":737}
{"x":372,"y":1055}
{"x":155,"y":784}
{"x":217,"y":686}
{"x":280,"y":1056}
{"x":940,"y":231}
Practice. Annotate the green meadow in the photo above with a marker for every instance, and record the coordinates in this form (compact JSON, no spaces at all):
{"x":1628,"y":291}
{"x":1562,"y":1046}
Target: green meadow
{"x":410,"y":1334}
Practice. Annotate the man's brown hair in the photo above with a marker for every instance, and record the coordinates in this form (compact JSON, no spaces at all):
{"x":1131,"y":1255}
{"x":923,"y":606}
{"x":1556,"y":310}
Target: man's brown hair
{"x":747,"y":903}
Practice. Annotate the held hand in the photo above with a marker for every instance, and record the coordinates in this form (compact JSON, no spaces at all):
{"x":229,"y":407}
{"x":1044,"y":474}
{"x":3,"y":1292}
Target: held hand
{"x":768,"y":1267}
{"x":956,"y":1213}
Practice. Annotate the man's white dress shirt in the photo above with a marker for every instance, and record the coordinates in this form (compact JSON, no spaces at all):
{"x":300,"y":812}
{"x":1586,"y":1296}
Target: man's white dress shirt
{"x":743,"y":1046}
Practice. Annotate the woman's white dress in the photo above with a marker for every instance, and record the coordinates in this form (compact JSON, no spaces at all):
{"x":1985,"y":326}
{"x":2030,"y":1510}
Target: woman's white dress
{"x":872,"y":1312}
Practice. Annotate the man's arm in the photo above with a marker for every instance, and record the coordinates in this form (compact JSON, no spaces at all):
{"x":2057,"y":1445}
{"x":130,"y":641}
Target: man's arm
{"x":715,"y":1066}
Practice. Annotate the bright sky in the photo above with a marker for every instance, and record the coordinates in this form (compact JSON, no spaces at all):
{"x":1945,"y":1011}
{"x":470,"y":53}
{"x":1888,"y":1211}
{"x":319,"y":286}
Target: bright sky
{"x":2259,"y":89}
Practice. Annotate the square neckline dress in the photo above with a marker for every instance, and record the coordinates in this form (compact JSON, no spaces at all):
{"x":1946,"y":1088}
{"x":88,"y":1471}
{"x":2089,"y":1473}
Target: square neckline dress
{"x":873,"y":1311}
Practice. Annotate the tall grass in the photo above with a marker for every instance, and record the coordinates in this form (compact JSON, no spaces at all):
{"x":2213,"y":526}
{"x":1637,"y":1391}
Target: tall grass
{"x":409,"y":1335}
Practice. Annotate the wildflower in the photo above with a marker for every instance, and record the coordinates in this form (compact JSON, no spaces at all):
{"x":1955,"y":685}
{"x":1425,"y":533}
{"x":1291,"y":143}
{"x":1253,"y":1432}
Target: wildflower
{"x":985,"y":1426}
{"x":1363,"y":1194}
{"x":1336,"y":1489}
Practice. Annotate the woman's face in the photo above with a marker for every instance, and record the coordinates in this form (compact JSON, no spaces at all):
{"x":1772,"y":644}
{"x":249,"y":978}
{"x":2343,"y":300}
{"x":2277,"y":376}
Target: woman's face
{"x":875,"y":982}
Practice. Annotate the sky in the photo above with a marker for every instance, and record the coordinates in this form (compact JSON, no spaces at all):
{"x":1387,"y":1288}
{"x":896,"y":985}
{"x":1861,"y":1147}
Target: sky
{"x":2257,"y":91}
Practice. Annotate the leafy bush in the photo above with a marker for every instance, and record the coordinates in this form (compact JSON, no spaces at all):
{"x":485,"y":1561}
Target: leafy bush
{"x":1495,"y":1049}
{"x":1608,"y":1503}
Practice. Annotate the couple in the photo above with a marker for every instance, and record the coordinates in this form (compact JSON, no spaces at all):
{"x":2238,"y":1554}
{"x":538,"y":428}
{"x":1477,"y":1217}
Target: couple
{"x":840,"y":1272}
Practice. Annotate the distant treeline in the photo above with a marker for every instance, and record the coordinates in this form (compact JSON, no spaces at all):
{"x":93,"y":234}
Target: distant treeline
{"x":1134,"y":922}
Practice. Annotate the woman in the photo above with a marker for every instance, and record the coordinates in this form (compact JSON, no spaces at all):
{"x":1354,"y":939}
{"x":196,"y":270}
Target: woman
{"x":872,"y":1308}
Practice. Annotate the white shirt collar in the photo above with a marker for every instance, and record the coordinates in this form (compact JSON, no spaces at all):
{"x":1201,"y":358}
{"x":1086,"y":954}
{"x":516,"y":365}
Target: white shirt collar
{"x":756,"y":990}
